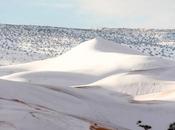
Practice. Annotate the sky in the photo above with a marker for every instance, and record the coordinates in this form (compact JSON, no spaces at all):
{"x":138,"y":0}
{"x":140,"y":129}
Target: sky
{"x":90,"y":13}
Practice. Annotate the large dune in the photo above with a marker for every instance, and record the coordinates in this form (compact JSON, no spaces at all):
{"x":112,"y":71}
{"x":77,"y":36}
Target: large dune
{"x":98,"y":82}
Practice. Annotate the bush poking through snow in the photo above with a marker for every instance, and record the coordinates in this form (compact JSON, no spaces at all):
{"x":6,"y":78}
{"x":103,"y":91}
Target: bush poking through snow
{"x":146,"y":127}
{"x":172,"y":126}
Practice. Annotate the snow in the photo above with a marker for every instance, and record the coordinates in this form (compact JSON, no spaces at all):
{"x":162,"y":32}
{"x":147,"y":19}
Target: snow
{"x":98,"y":81}
{"x":22,"y":43}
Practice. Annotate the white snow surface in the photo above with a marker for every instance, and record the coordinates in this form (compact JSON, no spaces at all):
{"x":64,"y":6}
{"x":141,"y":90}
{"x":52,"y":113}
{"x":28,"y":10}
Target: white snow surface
{"x":27,"y":43}
{"x":98,"y":81}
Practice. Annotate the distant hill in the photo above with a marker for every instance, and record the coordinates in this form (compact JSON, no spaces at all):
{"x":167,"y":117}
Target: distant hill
{"x":25,"y":43}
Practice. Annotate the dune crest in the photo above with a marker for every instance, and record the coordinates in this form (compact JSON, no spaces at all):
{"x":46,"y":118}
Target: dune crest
{"x":99,"y":63}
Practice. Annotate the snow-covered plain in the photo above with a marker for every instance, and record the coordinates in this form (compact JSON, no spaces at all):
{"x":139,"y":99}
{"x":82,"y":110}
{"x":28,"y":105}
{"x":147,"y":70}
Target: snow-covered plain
{"x":98,"y":85}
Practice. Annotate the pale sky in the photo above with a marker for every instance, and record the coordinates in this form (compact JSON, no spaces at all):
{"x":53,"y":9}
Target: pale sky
{"x":90,"y":13}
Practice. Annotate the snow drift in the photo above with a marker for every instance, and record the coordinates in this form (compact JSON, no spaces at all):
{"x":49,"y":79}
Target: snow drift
{"x":72,"y":91}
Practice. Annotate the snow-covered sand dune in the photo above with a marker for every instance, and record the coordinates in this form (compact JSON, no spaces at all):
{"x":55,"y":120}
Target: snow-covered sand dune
{"x":96,"y":82}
